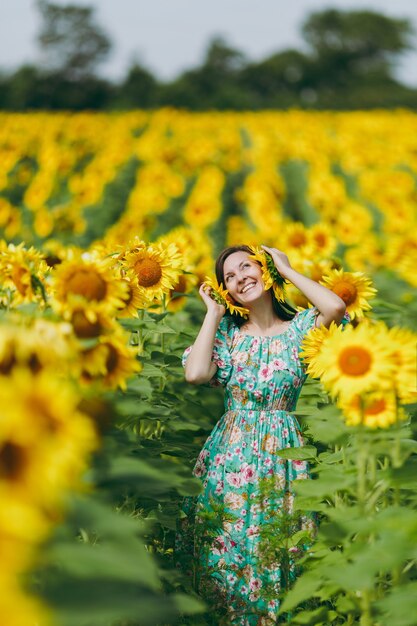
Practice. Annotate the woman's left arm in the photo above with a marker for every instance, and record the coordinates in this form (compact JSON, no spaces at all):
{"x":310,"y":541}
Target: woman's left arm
{"x":331,"y":307}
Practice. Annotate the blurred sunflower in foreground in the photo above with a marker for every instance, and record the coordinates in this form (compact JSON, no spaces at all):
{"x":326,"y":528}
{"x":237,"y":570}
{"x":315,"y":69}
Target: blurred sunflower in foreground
{"x":353,"y":360}
{"x":109,"y":362}
{"x":88,"y":281}
{"x":22,"y":275}
{"x":370,"y":370}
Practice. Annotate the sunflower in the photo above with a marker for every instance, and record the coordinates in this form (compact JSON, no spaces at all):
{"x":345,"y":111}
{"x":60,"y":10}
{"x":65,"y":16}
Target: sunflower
{"x":120,"y":251}
{"x":313,"y":341}
{"x":354,"y":360}
{"x":184,"y":285}
{"x":403,"y":342}
{"x":10,"y":220}
{"x":220,"y":295}
{"x":110,"y":362}
{"x":45,"y":441}
{"x":354,"y":289}
{"x":44,"y":344}
{"x":22,"y":526}
{"x":135,"y":297}
{"x":18,"y":608}
{"x":84,"y":327}
{"x":23,"y":271}
{"x":377,"y":409}
{"x":238,"y":229}
{"x":322,"y":238}
{"x":296,"y":235}
{"x":89,"y":282}
{"x":193,"y":245}
{"x":270,"y":275}
{"x":54,"y":252}
{"x":157,"y":268}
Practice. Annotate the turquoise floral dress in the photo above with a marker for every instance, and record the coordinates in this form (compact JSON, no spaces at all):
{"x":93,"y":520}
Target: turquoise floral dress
{"x":246,"y":536}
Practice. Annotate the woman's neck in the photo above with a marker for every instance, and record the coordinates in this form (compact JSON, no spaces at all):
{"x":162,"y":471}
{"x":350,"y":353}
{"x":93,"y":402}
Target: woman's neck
{"x":262,"y":318}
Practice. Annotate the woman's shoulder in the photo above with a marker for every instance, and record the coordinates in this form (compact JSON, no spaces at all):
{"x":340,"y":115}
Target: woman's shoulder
{"x":304,"y":319}
{"x":227,"y":325}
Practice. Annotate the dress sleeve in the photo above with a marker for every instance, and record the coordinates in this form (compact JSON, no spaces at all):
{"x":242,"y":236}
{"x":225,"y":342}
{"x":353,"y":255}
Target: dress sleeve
{"x":221,"y":354}
{"x":305,"y":320}
{"x":345,"y":320}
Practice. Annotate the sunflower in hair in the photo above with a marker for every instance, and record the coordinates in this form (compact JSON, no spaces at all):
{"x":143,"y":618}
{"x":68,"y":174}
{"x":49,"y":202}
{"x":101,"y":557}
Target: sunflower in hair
{"x":220,"y":295}
{"x":270,"y":275}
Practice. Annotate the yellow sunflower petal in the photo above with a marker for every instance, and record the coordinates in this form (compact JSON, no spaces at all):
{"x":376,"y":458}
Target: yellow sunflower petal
{"x":270,"y":275}
{"x":353,"y":287}
{"x":351,"y":361}
{"x":222,"y":296}
{"x":377,"y":409}
{"x":157,"y":268}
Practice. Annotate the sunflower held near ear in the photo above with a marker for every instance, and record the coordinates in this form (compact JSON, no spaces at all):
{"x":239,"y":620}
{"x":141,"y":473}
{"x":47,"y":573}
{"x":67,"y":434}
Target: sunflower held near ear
{"x":220,"y":295}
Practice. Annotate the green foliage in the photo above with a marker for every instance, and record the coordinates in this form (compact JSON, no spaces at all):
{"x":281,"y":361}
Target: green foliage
{"x":112,"y":561}
{"x":363,"y":559}
{"x":71,"y":43}
{"x":115,"y":560}
{"x":350,"y":66}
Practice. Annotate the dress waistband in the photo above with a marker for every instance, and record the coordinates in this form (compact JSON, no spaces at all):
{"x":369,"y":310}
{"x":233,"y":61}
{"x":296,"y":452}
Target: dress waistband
{"x":257,"y":409}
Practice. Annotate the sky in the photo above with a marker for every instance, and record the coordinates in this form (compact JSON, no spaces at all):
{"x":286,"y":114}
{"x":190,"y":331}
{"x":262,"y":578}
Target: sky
{"x":169,"y":36}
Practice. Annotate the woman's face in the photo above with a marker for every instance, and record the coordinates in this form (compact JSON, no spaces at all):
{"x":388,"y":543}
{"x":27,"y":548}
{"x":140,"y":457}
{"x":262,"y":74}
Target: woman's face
{"x":243,"y":278}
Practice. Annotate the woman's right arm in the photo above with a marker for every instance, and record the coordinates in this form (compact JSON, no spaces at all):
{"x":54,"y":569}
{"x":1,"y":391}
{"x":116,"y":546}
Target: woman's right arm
{"x":199,"y":368}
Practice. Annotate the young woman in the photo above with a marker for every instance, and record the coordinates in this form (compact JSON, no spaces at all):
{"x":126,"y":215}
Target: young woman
{"x":246,"y":502}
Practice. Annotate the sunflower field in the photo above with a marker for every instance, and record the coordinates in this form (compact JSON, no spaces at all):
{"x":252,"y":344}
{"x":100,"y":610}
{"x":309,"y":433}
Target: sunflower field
{"x":109,"y":223}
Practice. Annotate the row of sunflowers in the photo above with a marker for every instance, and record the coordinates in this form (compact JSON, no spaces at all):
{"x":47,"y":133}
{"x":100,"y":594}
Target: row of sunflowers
{"x":351,"y":177}
{"x":126,"y":213}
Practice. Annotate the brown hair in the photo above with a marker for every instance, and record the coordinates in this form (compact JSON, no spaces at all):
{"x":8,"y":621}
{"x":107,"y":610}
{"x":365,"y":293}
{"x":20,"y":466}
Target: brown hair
{"x":283,"y":309}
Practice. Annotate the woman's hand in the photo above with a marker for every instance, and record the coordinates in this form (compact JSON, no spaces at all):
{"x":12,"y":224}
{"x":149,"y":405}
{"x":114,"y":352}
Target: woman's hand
{"x":212,"y":307}
{"x":280,"y":260}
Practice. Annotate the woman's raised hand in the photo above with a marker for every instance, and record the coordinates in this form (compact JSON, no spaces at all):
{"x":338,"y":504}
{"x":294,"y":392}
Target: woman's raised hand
{"x":280,"y":260}
{"x":212,"y":306}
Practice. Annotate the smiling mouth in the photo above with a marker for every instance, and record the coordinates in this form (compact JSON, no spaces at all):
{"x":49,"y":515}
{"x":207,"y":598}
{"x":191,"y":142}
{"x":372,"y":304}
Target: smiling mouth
{"x":247,"y":287}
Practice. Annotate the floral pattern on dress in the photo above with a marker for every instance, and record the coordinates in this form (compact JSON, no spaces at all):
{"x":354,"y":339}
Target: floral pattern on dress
{"x":247,"y":500}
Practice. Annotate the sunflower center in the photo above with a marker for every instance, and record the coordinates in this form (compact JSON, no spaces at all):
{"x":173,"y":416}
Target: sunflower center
{"x":298,"y":239}
{"x":88,"y":283}
{"x":112,"y":359}
{"x":7,"y":361}
{"x":149,"y":272}
{"x":40,"y":407}
{"x":52,"y":260}
{"x":320,"y":239}
{"x":355,"y":361}
{"x":181,"y":285}
{"x":13,"y":460}
{"x":346,"y":291}
{"x":34,"y":363}
{"x":377,"y":406}
{"x":18,"y":273}
{"x":83,"y":328}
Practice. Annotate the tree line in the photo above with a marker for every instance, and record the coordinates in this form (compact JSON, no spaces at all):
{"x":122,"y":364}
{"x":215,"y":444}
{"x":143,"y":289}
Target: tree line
{"x":348,"y":62}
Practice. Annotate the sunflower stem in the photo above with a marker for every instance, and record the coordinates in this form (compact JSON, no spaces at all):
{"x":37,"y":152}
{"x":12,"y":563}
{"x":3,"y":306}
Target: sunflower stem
{"x":366,"y":617}
{"x":361,"y":461}
{"x":164,"y":306}
{"x":396,"y":452}
{"x":140,"y":332}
